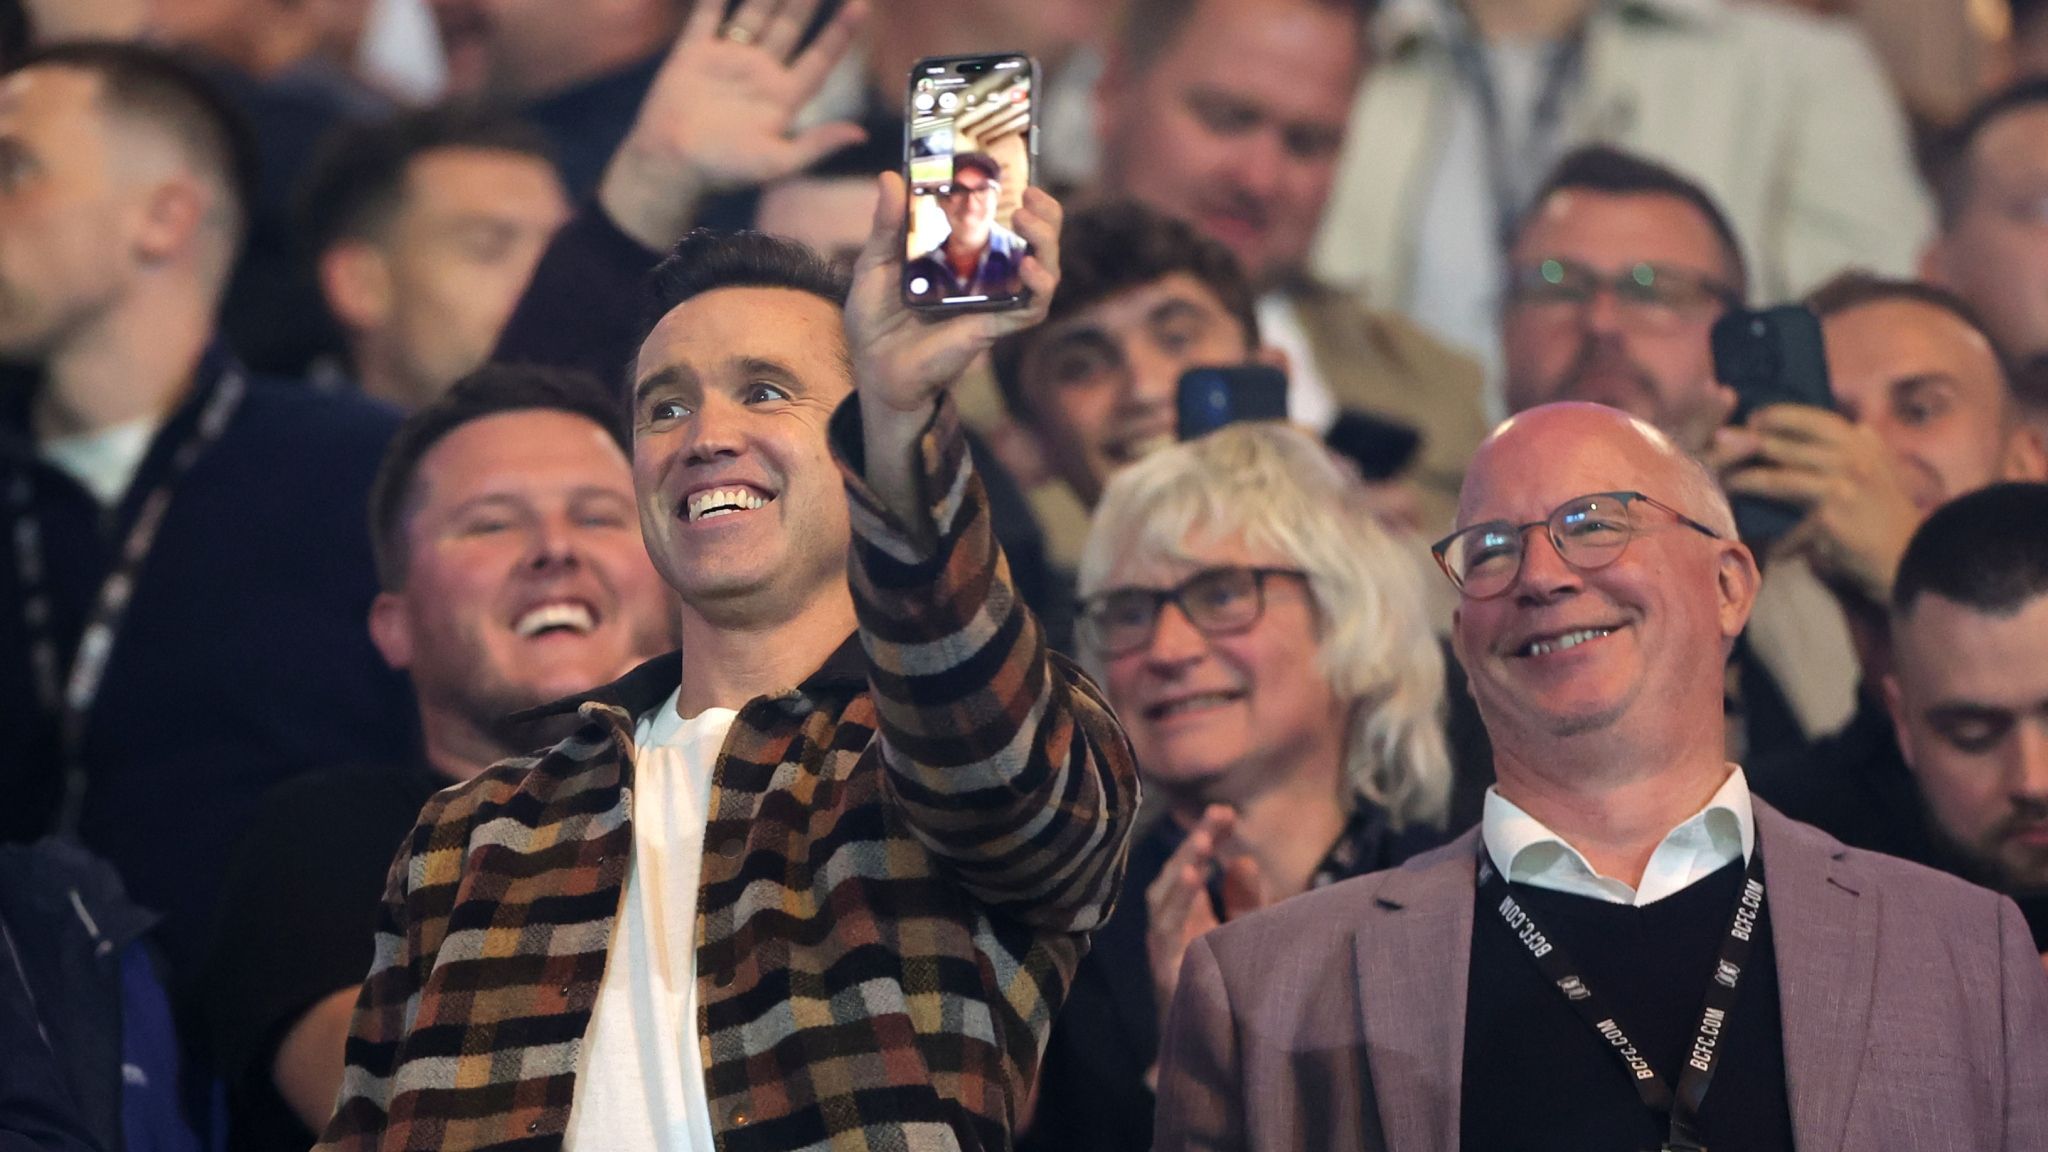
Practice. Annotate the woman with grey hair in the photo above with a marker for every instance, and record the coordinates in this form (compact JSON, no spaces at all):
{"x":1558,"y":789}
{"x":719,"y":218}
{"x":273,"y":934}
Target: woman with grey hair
{"x":1268,"y":648}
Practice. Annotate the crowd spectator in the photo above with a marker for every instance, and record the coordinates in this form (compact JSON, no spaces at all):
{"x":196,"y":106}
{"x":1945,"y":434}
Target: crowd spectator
{"x":426,"y":229}
{"x":1229,"y":114}
{"x":1615,"y":278}
{"x":1992,"y":186}
{"x":513,"y":574}
{"x":185,"y":568}
{"x":1269,"y":649}
{"x":930,"y":731}
{"x":577,"y":72}
{"x":1537,"y":983}
{"x":1784,"y":117}
{"x":1949,"y":773}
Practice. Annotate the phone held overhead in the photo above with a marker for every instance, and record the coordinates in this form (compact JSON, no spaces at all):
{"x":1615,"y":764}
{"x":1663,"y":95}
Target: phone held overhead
{"x":969,"y":152}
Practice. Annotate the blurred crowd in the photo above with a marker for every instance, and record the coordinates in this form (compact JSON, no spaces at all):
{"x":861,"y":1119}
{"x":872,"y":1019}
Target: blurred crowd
{"x":317,"y":319}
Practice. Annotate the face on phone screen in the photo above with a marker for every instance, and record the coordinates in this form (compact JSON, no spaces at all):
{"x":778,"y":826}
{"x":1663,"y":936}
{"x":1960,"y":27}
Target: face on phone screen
{"x":970,"y":161}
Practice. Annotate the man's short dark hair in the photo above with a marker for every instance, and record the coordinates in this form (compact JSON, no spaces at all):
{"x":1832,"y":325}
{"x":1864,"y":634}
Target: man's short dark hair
{"x":1112,"y":248}
{"x":1147,"y":28}
{"x":356,"y":182}
{"x":1955,"y":180}
{"x":1987,"y":551}
{"x":175,"y":97}
{"x":488,"y":391}
{"x":980,"y":162}
{"x":1856,"y":288}
{"x":1614,"y":172}
{"x":707,"y":260}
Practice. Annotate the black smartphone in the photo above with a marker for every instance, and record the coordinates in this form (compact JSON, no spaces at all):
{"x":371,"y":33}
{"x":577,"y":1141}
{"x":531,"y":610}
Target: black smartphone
{"x":1381,"y":448}
{"x":1209,"y":398}
{"x":1770,"y":356}
{"x":970,"y":147}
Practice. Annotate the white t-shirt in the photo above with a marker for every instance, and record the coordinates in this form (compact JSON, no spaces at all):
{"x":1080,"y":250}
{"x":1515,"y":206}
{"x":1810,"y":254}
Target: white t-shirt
{"x":640,"y":1082}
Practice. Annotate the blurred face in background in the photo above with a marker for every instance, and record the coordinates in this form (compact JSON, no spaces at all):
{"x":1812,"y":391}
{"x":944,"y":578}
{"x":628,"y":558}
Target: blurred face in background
{"x":525,"y":576}
{"x":1969,"y":702}
{"x":1100,"y":384}
{"x":426,"y":298}
{"x":1932,"y":388}
{"x":1642,"y":347}
{"x":67,"y":206}
{"x":1236,"y":125}
{"x":1994,"y":254}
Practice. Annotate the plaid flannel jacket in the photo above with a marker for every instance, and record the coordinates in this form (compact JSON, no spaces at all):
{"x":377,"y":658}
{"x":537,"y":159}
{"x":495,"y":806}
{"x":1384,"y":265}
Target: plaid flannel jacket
{"x":903,"y":858}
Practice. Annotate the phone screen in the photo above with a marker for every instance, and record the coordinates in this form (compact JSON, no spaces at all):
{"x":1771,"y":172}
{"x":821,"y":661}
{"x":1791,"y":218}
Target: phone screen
{"x":970,"y":154}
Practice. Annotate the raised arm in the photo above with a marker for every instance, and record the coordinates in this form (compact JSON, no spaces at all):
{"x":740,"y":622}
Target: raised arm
{"x":1004,"y":757}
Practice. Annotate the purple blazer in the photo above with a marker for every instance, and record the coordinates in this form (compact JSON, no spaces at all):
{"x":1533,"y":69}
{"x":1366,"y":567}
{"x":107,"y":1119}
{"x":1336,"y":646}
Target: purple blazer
{"x":1915,"y":1011}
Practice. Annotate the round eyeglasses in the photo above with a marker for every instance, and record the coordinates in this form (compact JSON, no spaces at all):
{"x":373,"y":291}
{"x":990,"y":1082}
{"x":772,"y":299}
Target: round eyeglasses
{"x":1588,"y":532}
{"x":1217,"y":601}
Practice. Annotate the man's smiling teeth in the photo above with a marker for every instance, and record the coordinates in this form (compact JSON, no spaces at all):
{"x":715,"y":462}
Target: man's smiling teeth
{"x":723,"y":502}
{"x":1568,"y":640}
{"x":563,"y":614}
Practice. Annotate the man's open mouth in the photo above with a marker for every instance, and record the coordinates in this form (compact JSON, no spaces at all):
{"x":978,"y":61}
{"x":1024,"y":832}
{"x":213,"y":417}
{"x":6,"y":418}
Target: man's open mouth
{"x":713,"y":502}
{"x":1545,"y":645}
{"x":568,"y":617}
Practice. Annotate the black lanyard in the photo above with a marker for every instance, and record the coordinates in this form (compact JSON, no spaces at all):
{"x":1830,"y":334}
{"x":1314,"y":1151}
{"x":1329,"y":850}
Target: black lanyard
{"x":1511,"y":178}
{"x":1550,"y":958}
{"x":68,"y":692}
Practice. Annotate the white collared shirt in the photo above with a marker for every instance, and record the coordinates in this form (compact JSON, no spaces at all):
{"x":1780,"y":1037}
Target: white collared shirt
{"x":1527,"y":852}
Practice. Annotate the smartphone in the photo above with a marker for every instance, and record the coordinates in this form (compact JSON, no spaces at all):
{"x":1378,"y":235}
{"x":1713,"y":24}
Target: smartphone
{"x":1209,"y":398}
{"x":1381,"y":448}
{"x":1771,"y":356}
{"x":970,"y":148}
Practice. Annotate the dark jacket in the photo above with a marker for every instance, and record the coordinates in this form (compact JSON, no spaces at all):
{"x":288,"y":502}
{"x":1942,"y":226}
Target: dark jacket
{"x":92,"y":1062}
{"x":244,"y":658}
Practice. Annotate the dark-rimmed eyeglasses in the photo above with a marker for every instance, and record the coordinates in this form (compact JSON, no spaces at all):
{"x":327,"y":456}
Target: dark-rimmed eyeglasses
{"x":960,"y":189}
{"x":1217,"y":601}
{"x":1648,"y":295}
{"x":1588,"y":532}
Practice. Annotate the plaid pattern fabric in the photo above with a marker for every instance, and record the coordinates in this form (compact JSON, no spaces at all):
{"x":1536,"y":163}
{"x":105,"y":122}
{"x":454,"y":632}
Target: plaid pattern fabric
{"x":903,"y":858}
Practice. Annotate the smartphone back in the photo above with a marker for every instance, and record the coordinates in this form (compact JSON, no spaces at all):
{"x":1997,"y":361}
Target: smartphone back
{"x":1209,"y":398}
{"x":1772,"y":356}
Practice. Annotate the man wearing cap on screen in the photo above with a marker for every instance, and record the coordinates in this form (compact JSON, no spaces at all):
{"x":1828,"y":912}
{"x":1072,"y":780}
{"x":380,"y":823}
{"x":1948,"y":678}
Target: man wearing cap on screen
{"x":979,"y":257}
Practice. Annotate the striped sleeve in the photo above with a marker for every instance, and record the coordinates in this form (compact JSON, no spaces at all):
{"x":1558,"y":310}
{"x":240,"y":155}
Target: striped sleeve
{"x":1002,"y":755}
{"x":389,"y":999}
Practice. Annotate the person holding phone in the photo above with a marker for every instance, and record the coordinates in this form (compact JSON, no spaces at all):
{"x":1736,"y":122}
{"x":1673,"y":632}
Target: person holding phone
{"x":979,"y":257}
{"x":823,"y":880}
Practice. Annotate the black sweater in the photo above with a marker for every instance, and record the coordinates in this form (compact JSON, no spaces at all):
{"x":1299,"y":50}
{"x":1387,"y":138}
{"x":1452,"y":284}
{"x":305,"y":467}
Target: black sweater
{"x":1538,"y":1077}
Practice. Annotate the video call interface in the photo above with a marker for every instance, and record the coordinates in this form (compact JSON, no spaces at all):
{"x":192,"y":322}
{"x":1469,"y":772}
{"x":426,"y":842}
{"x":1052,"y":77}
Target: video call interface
{"x":970,"y":158}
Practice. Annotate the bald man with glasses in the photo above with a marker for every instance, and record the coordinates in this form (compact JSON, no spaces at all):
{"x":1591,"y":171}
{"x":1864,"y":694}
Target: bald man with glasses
{"x":1630,"y":951}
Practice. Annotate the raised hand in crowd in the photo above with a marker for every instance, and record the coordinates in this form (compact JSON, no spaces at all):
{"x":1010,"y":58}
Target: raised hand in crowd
{"x":1178,"y":905}
{"x":1860,"y":508}
{"x":722,"y":113}
{"x":903,"y":359}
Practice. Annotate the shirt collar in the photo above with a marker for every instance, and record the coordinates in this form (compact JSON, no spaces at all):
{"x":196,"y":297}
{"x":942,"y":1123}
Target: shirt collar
{"x":1527,"y":851}
{"x":1403,"y":24}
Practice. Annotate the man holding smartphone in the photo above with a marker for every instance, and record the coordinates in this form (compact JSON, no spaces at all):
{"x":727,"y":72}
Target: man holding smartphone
{"x":825,"y":880}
